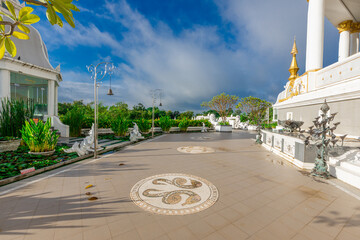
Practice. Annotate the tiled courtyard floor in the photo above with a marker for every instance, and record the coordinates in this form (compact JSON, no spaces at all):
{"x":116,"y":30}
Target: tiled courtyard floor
{"x":260,"y":197}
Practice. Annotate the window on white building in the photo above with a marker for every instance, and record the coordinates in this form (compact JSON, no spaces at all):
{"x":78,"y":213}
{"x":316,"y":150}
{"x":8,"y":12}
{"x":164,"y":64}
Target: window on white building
{"x":289,"y":116}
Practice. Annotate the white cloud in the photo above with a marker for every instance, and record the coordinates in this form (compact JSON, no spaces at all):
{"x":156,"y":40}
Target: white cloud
{"x":196,"y":64}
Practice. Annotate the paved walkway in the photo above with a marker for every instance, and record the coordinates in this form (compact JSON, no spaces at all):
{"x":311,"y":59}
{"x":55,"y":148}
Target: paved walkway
{"x":260,"y":197}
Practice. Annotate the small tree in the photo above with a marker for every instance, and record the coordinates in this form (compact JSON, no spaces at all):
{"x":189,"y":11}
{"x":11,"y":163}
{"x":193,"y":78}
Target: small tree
{"x":255,"y":108}
{"x":222,"y":104}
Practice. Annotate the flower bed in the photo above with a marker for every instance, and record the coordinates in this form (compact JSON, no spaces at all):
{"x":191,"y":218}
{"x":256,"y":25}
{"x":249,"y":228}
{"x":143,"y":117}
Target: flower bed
{"x":13,"y":161}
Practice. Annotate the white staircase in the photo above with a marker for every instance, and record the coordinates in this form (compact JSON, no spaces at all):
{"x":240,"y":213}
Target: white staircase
{"x":346,"y":167}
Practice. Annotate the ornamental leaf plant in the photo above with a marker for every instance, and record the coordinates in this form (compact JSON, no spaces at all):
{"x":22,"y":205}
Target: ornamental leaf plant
{"x":39,"y":137}
{"x":222,"y":104}
{"x":13,"y":21}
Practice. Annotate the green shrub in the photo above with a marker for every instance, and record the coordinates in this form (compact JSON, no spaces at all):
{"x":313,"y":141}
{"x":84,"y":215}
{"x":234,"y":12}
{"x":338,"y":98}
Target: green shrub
{"x":223,"y":123}
{"x":184,"y":124}
{"x":267,"y":126}
{"x":120,"y":126}
{"x":165,"y":123}
{"x":75,"y":118}
{"x":144,"y":125}
{"x":39,"y":137}
{"x":13,"y":114}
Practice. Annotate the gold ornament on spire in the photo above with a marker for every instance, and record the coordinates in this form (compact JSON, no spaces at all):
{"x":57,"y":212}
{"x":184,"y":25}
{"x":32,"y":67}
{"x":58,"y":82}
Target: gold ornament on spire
{"x":294,"y":66}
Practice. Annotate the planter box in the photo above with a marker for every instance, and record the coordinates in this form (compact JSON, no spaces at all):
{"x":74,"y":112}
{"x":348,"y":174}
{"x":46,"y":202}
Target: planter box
{"x":10,"y":145}
{"x":223,"y":128}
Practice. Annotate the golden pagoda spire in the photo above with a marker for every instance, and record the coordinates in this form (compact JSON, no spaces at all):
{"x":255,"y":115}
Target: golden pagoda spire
{"x":294,"y":66}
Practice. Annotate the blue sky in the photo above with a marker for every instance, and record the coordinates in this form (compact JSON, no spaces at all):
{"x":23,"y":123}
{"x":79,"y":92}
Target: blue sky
{"x":192,"y":50}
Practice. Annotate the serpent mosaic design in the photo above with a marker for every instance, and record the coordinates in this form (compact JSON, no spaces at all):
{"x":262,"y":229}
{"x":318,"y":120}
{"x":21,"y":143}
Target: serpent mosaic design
{"x":174,"y":194}
{"x":195,"y":149}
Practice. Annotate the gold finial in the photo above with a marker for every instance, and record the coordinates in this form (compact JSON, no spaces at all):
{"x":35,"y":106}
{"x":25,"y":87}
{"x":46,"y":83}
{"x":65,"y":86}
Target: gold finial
{"x":294,"y":66}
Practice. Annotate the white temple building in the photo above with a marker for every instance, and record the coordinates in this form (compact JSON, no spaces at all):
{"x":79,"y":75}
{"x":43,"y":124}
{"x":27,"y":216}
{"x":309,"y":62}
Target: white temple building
{"x":338,"y":83}
{"x":29,"y":75}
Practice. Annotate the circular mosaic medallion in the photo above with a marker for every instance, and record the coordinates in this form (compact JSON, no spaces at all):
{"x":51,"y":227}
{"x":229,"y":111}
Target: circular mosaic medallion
{"x":195,"y":149}
{"x":174,"y":194}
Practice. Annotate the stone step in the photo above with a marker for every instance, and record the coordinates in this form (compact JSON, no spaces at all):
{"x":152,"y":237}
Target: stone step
{"x":346,"y":175}
{"x":351,"y":166}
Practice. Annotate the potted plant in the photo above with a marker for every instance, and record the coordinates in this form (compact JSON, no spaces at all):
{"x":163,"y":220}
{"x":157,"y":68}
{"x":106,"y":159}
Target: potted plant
{"x":223,"y":127}
{"x":39,"y":137}
{"x":13,"y":114}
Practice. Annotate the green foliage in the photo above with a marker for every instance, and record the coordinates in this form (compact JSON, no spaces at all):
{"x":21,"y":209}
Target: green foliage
{"x":75,"y":118}
{"x":224,"y":123}
{"x":244,"y":117}
{"x":184,"y":124}
{"x":13,"y":114}
{"x":12,"y":162}
{"x":39,"y":137}
{"x":165,"y":123}
{"x":120,"y":126}
{"x":223,"y":104}
{"x":187,"y":115}
{"x":255,"y":108}
{"x":144,"y":125}
{"x":269,"y":126}
{"x":25,"y":17}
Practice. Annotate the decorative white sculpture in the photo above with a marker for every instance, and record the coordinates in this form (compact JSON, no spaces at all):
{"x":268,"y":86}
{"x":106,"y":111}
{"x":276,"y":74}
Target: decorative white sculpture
{"x":135,"y":133}
{"x":203,"y":129}
{"x":85,"y":147}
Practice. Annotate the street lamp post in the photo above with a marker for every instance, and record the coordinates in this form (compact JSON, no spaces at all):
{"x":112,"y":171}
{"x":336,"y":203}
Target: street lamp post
{"x":154,"y":93}
{"x":98,"y":73}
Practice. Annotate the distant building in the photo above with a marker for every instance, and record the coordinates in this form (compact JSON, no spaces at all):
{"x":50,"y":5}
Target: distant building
{"x":338,"y":83}
{"x":29,"y":75}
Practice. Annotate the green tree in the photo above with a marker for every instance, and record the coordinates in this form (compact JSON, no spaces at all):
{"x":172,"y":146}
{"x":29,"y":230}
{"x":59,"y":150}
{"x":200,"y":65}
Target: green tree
{"x":222,"y":104}
{"x":187,"y":114}
{"x":19,"y":21}
{"x":255,"y":108}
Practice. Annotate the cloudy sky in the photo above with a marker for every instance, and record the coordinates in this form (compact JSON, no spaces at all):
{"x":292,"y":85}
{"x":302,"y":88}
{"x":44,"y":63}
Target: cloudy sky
{"x":192,"y":50}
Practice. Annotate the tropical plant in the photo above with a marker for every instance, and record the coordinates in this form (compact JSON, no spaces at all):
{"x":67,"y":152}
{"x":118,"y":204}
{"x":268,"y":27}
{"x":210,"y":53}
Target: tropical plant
{"x":120,"y":126}
{"x":143,"y":124}
{"x":165,"y":123}
{"x":75,"y":118}
{"x":13,"y":114}
{"x":223,"y":104}
{"x":255,"y":108}
{"x":184,"y":124}
{"x":24,"y":17}
{"x":224,"y":123}
{"x":39,"y":137}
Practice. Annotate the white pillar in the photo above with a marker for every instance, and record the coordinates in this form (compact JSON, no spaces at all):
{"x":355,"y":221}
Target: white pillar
{"x":354,"y":46}
{"x":51,"y":97}
{"x":344,"y":45}
{"x":5,"y":90}
{"x":56,"y":99}
{"x":315,"y":35}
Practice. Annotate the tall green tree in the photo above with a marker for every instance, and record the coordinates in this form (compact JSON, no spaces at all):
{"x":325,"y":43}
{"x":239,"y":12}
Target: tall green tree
{"x":222,"y":104}
{"x":255,"y":108}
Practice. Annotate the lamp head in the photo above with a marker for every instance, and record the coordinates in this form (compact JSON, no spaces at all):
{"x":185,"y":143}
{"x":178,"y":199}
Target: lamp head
{"x":110,"y":92}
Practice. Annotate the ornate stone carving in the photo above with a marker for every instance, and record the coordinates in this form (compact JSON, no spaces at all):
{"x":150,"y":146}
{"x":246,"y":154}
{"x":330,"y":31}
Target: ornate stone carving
{"x":85,"y":147}
{"x":135,"y":133}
